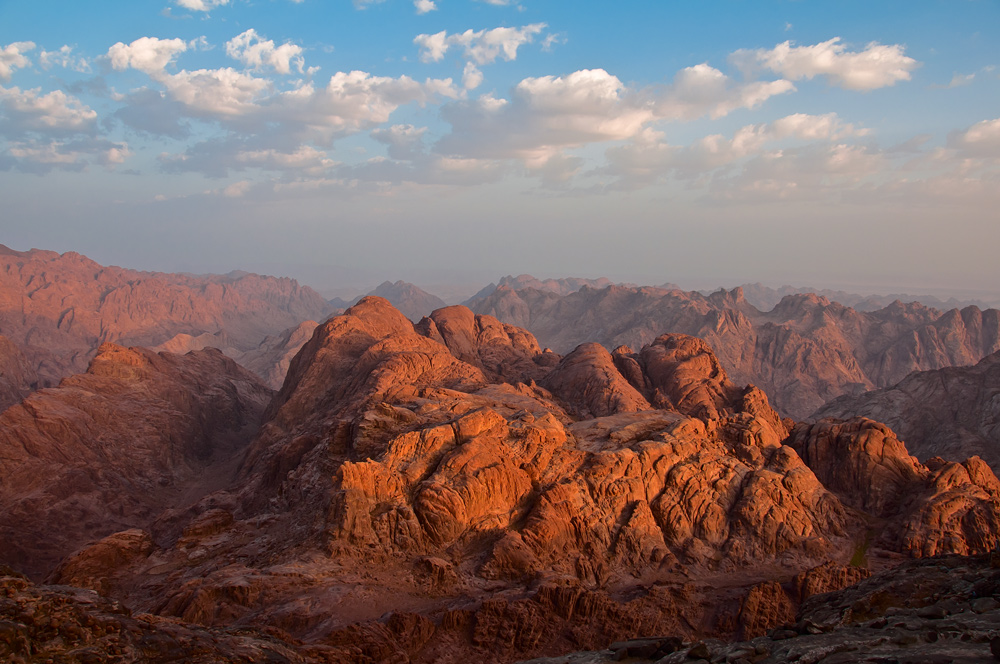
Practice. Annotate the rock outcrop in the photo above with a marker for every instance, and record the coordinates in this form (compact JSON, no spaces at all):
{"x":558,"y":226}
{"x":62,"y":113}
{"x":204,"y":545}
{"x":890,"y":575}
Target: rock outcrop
{"x":112,"y":448}
{"x":804,"y":352}
{"x":448,"y":489}
{"x":953,"y":413}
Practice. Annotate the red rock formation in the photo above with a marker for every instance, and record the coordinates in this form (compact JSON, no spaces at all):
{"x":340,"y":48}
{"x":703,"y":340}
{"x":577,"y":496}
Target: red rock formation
{"x":803,"y":353}
{"x":111,"y":448}
{"x":402,"y":503}
{"x":944,"y":507}
{"x":952,"y":412}
{"x":60,"y":308}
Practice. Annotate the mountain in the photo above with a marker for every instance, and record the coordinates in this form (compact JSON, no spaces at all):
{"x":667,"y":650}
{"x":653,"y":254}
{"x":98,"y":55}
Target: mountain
{"x":113,"y":448}
{"x":950,"y":412}
{"x":804,"y":352}
{"x":450,"y":490}
{"x":766,"y":298}
{"x":563,"y":286}
{"x":412,"y":301}
{"x":59,"y":308}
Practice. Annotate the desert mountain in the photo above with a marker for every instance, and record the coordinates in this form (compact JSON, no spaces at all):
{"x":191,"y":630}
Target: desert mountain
{"x":804,"y":352}
{"x":58,"y":308}
{"x":409,"y":299}
{"x":766,"y":298}
{"x":563,"y":286}
{"x":113,"y":448}
{"x":951,"y":412}
{"x":447,"y":490}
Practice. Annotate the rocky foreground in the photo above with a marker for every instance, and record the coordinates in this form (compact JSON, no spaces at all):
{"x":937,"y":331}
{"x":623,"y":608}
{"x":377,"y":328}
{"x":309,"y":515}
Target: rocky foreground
{"x":929,"y":611}
{"x":447,"y":490}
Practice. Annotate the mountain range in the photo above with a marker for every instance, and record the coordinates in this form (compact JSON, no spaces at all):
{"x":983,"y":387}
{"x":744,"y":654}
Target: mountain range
{"x":455,"y":487}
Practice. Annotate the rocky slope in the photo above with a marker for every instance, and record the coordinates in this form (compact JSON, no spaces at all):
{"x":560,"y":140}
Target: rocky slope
{"x":447,"y":490}
{"x":112,"y":448}
{"x":803,"y":353}
{"x":17,"y":376}
{"x":951,"y":413}
{"x":60,"y":308}
{"x":934,"y":611}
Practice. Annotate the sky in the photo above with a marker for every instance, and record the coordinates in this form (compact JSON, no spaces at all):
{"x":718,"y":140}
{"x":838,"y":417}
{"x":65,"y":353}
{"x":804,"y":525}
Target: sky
{"x":449,"y":142}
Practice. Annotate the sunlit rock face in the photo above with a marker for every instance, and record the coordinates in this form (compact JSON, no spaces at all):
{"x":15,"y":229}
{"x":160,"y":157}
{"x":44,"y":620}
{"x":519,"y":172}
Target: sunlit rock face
{"x":448,"y":489}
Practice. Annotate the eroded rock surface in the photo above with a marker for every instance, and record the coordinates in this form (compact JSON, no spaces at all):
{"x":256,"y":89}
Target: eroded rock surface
{"x":447,"y":490}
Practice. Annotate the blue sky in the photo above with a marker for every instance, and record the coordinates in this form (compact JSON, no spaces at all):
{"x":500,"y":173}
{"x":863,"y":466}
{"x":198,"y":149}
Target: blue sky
{"x":848,"y":144}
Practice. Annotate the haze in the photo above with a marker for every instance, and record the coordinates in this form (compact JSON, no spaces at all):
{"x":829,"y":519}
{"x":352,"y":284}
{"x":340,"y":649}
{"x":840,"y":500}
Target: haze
{"x":822,"y":144}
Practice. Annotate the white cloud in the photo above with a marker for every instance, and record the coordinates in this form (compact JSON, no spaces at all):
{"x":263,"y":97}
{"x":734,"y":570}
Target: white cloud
{"x":201,"y":5}
{"x":54,"y":112}
{"x":877,"y":66}
{"x":545,"y":116}
{"x":424,"y":6}
{"x":305,"y":158}
{"x":63,"y":58}
{"x":648,"y":157}
{"x":703,"y":89}
{"x":471,"y":77}
{"x":482,"y":47}
{"x":255,"y":52}
{"x":150,"y":55}
{"x":43,"y":156}
{"x":404,"y":141}
{"x":980,"y":140}
{"x":216,"y":92}
{"x":237,"y":189}
{"x":12,"y":57}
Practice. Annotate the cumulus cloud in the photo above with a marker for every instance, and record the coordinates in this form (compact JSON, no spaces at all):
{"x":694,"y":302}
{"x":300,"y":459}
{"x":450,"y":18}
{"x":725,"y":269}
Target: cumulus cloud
{"x":703,"y":89}
{"x":482,"y":47}
{"x":350,"y":101}
{"x":648,"y":157}
{"x":877,"y":66}
{"x":43,"y":155}
{"x":201,"y":5}
{"x":12,"y":57}
{"x":424,"y":6}
{"x":52,"y":113}
{"x":404,"y":141}
{"x":150,"y":55}
{"x":305,"y":158}
{"x":980,"y":140}
{"x":63,"y":58}
{"x":252,"y":50}
{"x":545,"y":116}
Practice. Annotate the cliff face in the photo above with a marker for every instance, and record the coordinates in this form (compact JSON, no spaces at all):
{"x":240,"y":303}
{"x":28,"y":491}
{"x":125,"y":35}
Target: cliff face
{"x":952,"y":412}
{"x":803,"y":353}
{"x":58,"y":308}
{"x":447,"y":490}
